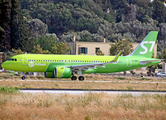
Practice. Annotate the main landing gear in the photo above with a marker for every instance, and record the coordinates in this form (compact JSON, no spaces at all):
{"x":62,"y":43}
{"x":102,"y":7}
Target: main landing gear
{"x":80,"y":78}
{"x":73,"y":78}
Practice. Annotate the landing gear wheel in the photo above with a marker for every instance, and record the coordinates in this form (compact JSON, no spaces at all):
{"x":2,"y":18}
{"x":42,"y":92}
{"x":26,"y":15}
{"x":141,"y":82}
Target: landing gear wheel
{"x":73,"y":78}
{"x":23,"y":77}
{"x":81,"y":78}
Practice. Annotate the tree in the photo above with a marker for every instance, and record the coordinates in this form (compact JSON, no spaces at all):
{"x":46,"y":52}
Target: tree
{"x":5,"y":30}
{"x":17,"y":51}
{"x":13,"y":30}
{"x":159,"y":11}
{"x":38,"y":27}
{"x":39,"y":50}
{"x":151,"y":69}
{"x":99,"y":52}
{"x":45,"y":42}
{"x":123,"y":46}
{"x":60,"y":48}
{"x":164,"y":55}
{"x":19,"y":34}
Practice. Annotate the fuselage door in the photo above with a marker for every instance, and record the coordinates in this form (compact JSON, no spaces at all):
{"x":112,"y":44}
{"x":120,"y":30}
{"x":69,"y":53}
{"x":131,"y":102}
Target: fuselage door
{"x":129,"y":62}
{"x":25,"y":60}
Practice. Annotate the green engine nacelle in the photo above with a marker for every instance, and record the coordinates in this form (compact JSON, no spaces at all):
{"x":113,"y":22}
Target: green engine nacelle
{"x":59,"y":72}
{"x":62,"y":72}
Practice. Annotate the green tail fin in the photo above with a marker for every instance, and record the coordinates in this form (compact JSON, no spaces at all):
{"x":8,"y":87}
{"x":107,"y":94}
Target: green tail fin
{"x":146,"y":47}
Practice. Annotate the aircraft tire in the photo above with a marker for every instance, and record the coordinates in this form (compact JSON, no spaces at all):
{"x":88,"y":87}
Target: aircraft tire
{"x":74,"y":78}
{"x":23,"y":77}
{"x":81,"y":78}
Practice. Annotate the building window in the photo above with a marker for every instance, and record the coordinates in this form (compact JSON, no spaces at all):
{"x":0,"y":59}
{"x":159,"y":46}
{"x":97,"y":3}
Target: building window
{"x":97,"y":49}
{"x":83,"y":50}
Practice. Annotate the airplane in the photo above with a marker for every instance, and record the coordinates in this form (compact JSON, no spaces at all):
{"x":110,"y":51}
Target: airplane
{"x":66,"y":66}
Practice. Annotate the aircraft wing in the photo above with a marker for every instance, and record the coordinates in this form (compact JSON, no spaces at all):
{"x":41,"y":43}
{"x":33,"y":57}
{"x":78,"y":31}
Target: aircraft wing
{"x":87,"y":66}
{"x":144,"y":62}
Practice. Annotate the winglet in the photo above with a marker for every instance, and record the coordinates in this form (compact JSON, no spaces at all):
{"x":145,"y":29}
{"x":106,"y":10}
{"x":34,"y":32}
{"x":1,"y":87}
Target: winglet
{"x":116,"y":58}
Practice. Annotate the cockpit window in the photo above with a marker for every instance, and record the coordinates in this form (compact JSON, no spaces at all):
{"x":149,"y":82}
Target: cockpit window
{"x":12,"y":59}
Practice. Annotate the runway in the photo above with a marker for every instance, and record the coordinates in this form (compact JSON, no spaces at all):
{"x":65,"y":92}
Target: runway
{"x":85,"y":91}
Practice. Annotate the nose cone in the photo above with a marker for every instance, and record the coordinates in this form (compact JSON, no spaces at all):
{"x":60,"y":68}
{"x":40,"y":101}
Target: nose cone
{"x":3,"y":65}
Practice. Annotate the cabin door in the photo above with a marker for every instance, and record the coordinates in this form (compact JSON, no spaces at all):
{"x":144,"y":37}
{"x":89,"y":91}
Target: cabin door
{"x":129,"y":62}
{"x":25,"y":60}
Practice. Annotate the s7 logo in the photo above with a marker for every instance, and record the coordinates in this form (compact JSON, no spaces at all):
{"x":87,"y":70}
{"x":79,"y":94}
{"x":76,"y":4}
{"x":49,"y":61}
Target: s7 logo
{"x":145,"y":48}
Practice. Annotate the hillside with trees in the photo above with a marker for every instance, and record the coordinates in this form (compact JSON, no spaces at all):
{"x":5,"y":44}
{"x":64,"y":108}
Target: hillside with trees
{"x":88,"y":20}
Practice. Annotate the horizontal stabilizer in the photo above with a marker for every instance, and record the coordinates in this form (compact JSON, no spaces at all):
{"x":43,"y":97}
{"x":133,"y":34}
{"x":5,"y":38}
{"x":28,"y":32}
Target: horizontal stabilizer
{"x":144,"y":62}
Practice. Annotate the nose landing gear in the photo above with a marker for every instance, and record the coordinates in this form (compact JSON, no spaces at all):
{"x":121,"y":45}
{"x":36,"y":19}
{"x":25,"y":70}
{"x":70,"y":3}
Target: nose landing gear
{"x":23,"y":76}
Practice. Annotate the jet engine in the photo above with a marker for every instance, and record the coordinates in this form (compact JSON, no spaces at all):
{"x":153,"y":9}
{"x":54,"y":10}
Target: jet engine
{"x":59,"y":72}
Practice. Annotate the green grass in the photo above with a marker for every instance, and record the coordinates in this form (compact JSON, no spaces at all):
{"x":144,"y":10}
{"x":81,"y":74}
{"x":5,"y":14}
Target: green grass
{"x":121,"y":78}
{"x":5,"y":89}
{"x":145,"y":78}
{"x":129,"y":88}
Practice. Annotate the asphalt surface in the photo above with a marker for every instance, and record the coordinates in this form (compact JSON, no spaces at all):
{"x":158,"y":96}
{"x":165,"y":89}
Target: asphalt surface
{"x":86,"y":91}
